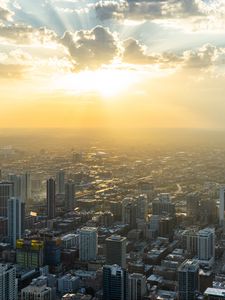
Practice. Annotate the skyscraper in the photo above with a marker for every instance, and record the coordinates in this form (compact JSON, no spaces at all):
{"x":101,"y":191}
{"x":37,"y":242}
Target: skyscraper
{"x":88,"y":244}
{"x":15,"y":220}
{"x":142,"y":207}
{"x":137,"y":286}
{"x":129,"y":212}
{"x":16,"y":179}
{"x":116,"y":250}
{"x":25,"y":187}
{"x":51,"y":198}
{"x":8,"y":282}
{"x":6,"y":192}
{"x":192,"y":200}
{"x":206,"y":244}
{"x":70,"y":195}
{"x":190,"y":241}
{"x":188,"y":279}
{"x":60,"y":182}
{"x":162,"y":205}
{"x":115,"y":283}
{"x":30,"y":253}
{"x":222,"y":206}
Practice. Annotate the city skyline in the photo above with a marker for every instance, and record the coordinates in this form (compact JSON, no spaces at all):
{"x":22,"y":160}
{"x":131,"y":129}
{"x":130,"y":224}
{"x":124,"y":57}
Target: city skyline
{"x":112,"y":64}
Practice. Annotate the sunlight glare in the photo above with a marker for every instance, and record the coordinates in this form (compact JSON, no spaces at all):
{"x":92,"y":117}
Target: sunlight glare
{"x":106,"y":82}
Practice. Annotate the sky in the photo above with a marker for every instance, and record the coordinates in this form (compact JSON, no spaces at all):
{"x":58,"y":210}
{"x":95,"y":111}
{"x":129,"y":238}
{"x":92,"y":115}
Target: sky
{"x":112,"y":64}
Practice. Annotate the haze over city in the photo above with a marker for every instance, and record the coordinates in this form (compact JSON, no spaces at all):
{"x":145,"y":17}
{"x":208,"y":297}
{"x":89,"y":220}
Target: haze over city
{"x":112,"y":150}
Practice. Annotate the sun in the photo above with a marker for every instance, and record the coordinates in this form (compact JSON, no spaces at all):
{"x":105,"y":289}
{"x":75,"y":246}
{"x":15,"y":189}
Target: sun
{"x":106,"y":82}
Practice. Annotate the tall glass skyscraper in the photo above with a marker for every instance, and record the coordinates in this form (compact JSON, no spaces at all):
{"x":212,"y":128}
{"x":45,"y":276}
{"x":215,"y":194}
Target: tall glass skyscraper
{"x":16,"y":212}
{"x":188,"y":279}
{"x":51,"y":198}
{"x":115,"y":283}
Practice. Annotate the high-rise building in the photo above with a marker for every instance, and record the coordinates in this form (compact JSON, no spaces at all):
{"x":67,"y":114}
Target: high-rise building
{"x":25,"y":187}
{"x":152,"y":228}
{"x":68,"y":283}
{"x":51,"y":198}
{"x":16,"y":218}
{"x":70,"y":195}
{"x":222,"y":206}
{"x":166,"y":226}
{"x":147,"y":188}
{"x":88,"y":244}
{"x":192,"y":200}
{"x":115,"y":283}
{"x":205,"y":280}
{"x":142,"y":207}
{"x":129,"y":212}
{"x":6,"y":192}
{"x":38,"y":289}
{"x":162,"y":205}
{"x":190,"y":241}
{"x":137,"y":286}
{"x":53,"y":252}
{"x":188,"y":279}
{"x":60,"y":182}
{"x":206,"y":244}
{"x":16,"y":179}
{"x":30,"y":253}
{"x":8,"y":282}
{"x":116,"y":250}
{"x":209,"y":211}
{"x":116,"y":209}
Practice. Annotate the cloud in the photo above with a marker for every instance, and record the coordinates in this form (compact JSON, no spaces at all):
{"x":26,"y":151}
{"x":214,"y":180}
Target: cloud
{"x":13,"y":71}
{"x":5,"y":14}
{"x":204,"y":57}
{"x":110,"y":9}
{"x":149,"y":10}
{"x":135,"y":53}
{"x":91,"y":48}
{"x":25,"y":34}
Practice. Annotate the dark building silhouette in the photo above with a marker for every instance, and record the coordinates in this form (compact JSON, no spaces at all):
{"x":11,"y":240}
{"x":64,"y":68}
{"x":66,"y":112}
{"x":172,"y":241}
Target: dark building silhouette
{"x":51,"y":198}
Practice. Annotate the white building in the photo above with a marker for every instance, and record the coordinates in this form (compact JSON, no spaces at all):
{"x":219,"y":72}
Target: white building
{"x":37,"y":290}
{"x":88,"y":244}
{"x":206,"y":244}
{"x":70,"y":240}
{"x":8,"y":282}
{"x":68,"y":283}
